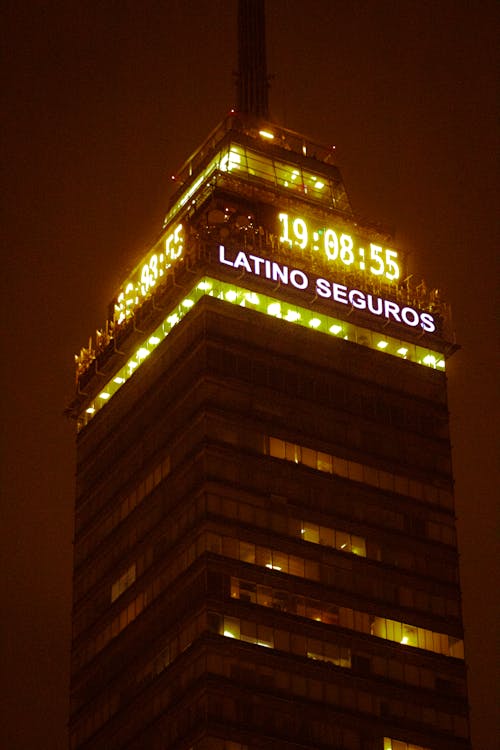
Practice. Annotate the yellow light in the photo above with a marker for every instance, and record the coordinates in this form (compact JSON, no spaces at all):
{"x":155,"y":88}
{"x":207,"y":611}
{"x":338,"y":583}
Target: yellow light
{"x":118,"y":380}
{"x":104,"y":395}
{"x":90,"y":410}
{"x":274,"y":309}
{"x":429,"y":359}
{"x":266,"y":134}
{"x":231,"y":295}
{"x":319,"y":185}
{"x":204,"y":286}
{"x":383,"y":344}
{"x":315,"y":322}
{"x":335,"y":329}
{"x":441,"y":363}
{"x":142,"y":353}
{"x":292,"y":316}
{"x":403,"y":351}
{"x":132,"y":365}
{"x":295,"y":174}
{"x":252,"y":298}
{"x":187,"y":302}
{"x":228,"y":634}
{"x":154,"y":340}
{"x":173,"y":319}
{"x":404,"y":640}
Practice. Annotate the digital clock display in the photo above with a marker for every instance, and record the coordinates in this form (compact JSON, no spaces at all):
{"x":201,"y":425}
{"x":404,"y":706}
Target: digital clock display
{"x":149,"y":273}
{"x":339,"y":247}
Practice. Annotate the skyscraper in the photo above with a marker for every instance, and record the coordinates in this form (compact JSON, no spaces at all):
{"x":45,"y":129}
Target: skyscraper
{"x":265,"y":552}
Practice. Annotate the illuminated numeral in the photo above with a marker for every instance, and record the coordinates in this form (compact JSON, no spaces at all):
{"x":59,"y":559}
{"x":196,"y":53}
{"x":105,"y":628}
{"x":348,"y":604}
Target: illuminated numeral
{"x":145,"y":283}
{"x":285,"y":237}
{"x":331,"y":244}
{"x":174,"y":244}
{"x":391,"y":263}
{"x":346,"y":251}
{"x":300,"y":232}
{"x":153,"y":265}
{"x":375,"y":256}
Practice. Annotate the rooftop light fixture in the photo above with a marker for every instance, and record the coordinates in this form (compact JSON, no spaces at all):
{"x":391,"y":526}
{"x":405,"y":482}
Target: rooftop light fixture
{"x":104,"y":395}
{"x":118,"y":380}
{"x":335,"y":329}
{"x":315,"y":322}
{"x":266,"y":134}
{"x":154,"y":340}
{"x":403,"y":351}
{"x":383,"y":344}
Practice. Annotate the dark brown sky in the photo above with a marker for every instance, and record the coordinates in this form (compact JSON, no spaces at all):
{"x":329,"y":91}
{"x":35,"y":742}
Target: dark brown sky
{"x":102,"y":101}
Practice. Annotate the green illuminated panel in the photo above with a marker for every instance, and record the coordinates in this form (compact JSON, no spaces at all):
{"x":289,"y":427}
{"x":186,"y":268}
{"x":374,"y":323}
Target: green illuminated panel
{"x":266,"y":305}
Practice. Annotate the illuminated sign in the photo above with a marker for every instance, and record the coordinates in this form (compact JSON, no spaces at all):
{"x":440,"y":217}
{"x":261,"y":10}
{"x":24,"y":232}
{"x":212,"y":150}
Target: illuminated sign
{"x":339,"y":247}
{"x":328,"y":290}
{"x":148,"y":273}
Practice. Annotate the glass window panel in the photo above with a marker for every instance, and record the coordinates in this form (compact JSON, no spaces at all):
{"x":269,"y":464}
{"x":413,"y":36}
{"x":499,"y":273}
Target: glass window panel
{"x":358,"y":546}
{"x":247,"y":552}
{"x":282,"y":640}
{"x":355,"y":471}
{"x":379,"y":627}
{"x":288,"y":176}
{"x":296,"y":566}
{"x":264,"y":596}
{"x":401,"y":485}
{"x":326,"y":536}
{"x":248,"y":591}
{"x":260,"y":167}
{"x":230,"y":547}
{"x":310,"y":532}
{"x":292,"y":452}
{"x":340,"y":467}
{"x":309,"y":457}
{"x":263,"y":556}
{"x":331,"y":614}
{"x":343,"y":541}
{"x":248,"y":631}
{"x":276,"y":447}
{"x":298,"y":644}
{"x":312,"y":570}
{"x":280,"y":561}
{"x":325,"y":462}
{"x":386,"y":480}
{"x":265,"y":635}
{"x":346,"y":617}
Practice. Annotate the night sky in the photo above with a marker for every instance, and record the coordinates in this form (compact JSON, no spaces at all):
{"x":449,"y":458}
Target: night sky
{"x":102,"y":102}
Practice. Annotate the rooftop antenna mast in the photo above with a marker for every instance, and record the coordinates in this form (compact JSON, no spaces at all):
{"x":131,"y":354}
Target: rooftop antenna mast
{"x":252,"y":71}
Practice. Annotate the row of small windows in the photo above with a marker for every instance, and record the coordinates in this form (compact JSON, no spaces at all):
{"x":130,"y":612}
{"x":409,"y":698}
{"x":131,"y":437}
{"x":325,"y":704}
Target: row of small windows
{"x":277,"y":561}
{"x":361,"y":622}
{"x":358,"y":472}
{"x":400,"y":745}
{"x":126,"y":505}
{"x":238,"y":160}
{"x":328,"y":573}
{"x":282,"y":523}
{"x":315,"y":649}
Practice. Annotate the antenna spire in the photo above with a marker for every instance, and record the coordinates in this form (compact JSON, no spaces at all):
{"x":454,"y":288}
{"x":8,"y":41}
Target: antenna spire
{"x":252,"y":72}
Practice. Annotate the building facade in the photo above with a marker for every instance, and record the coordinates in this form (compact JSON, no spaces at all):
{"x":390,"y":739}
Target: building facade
{"x":265,"y":547}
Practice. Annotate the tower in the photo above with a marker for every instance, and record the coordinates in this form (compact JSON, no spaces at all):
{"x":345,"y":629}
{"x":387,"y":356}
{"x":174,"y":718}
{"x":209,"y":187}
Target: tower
{"x":265,"y":549}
